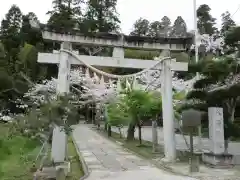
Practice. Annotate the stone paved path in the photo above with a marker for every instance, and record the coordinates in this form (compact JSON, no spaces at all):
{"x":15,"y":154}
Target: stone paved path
{"x":109,"y":161}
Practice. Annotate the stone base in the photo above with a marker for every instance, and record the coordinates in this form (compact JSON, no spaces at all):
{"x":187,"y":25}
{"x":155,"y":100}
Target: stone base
{"x":66,"y":166}
{"x":46,"y":173}
{"x":218,"y":160}
{"x":166,"y":160}
{"x":194,"y":164}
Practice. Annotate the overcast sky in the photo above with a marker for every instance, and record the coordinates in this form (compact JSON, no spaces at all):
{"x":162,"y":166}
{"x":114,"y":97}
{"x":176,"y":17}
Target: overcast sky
{"x":130,"y":10}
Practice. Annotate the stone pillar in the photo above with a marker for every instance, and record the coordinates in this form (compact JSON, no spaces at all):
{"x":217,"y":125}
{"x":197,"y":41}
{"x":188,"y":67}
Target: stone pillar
{"x":118,"y":52}
{"x":217,"y":156}
{"x":216,"y":129}
{"x":59,"y":140}
{"x":167,"y":109}
{"x":154,"y":136}
{"x":64,"y":69}
{"x":58,"y":150}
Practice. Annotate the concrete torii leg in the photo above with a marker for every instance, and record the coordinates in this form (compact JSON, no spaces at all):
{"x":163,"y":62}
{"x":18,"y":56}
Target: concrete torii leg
{"x":59,"y":142}
{"x":167,"y":111}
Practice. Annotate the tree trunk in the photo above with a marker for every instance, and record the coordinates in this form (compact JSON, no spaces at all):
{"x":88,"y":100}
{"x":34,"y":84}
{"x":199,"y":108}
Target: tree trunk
{"x":109,"y":131}
{"x":140,"y":134}
{"x":106,"y":126}
{"x":231,"y":106}
{"x":130,"y":132}
{"x":120,"y":132}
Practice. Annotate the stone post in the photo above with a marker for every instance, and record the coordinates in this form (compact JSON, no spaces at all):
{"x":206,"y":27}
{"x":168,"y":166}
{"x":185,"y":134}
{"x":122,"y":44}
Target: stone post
{"x":216,"y":130}
{"x":154,"y":136}
{"x":58,"y":151}
{"x":217,"y":156}
{"x":64,"y":69}
{"x":59,"y":140}
{"x":167,"y":108}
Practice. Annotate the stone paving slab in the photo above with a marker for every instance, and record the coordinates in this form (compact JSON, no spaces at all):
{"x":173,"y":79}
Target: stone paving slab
{"x":108,"y":161}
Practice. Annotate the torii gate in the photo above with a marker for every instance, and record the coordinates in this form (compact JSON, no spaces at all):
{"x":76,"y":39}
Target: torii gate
{"x":66,"y":57}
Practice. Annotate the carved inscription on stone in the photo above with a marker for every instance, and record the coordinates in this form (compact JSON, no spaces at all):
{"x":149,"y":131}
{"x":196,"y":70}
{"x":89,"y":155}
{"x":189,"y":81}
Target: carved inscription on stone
{"x":216,"y":130}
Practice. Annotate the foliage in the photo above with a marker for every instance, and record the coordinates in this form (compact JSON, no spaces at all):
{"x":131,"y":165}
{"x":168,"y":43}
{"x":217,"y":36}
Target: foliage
{"x":17,"y":155}
{"x":101,"y":16}
{"x":28,"y":62}
{"x":227,"y":23}
{"x":142,"y":105}
{"x":205,"y":21}
{"x":179,"y":28}
{"x":232,"y":37}
{"x":141,"y":27}
{"x":116,"y":115}
{"x":65,"y":15}
{"x":140,"y":54}
{"x":28,"y":34}
{"x":217,"y":88}
{"x":163,"y":28}
{"x":41,"y":118}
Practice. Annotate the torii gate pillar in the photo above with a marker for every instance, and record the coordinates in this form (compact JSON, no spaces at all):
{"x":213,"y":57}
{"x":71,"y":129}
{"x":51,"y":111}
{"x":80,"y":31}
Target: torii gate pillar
{"x":64,"y":69}
{"x":167,"y":111}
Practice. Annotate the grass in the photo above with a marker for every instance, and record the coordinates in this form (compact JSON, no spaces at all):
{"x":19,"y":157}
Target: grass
{"x":76,"y":166}
{"x":17,"y":156}
{"x":145,"y":149}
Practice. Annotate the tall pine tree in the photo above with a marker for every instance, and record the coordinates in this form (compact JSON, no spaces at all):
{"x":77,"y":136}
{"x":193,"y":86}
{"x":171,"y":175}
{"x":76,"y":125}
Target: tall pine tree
{"x":101,"y":16}
{"x":10,"y":36}
{"x":10,"y":28}
{"x":205,"y":21}
{"x":65,"y":15}
{"x":141,"y":27}
{"x":179,"y":27}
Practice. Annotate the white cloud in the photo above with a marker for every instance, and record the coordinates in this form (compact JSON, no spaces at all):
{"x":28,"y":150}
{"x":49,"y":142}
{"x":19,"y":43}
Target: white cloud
{"x":130,"y":10}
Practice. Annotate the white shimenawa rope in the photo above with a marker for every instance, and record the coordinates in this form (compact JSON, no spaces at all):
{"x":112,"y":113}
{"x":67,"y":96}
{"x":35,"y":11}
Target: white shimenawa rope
{"x":113,"y":76}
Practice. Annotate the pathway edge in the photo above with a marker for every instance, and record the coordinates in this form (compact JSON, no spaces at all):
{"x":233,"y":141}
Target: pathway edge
{"x":84,"y":165}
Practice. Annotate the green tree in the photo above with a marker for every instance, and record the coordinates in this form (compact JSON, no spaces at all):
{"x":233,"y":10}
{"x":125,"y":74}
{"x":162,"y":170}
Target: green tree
{"x":140,"y":106}
{"x":205,"y":20}
{"x":154,"y":28}
{"x":217,"y":88}
{"x":65,"y":15}
{"x":140,"y":27}
{"x":28,"y":62}
{"x":227,"y":23}
{"x":232,"y":38}
{"x":117,"y":116}
{"x":3,"y":60}
{"x":28,"y":34}
{"x":179,"y":27}
{"x":100,"y":16}
{"x":10,"y":28}
{"x":166,"y":26}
